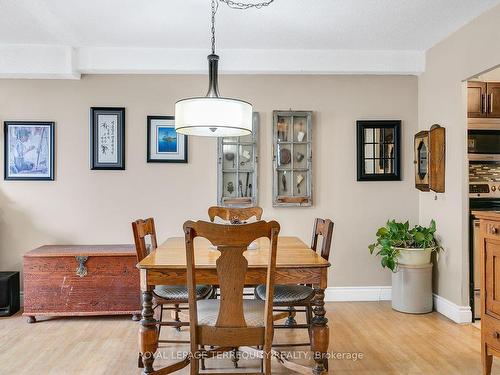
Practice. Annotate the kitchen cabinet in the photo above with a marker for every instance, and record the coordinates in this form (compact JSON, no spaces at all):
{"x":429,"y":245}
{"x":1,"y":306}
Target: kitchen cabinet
{"x":483,"y":99}
{"x":493,"y":94}
{"x":476,"y":99}
{"x":489,"y":238}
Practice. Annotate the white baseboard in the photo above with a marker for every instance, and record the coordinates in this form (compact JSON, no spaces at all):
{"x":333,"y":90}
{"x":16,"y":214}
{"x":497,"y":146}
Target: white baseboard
{"x":457,"y":313}
{"x":357,"y":293}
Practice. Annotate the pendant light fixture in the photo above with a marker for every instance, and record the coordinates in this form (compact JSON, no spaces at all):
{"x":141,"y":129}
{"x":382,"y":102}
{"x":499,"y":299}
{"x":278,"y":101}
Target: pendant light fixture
{"x":213,"y":115}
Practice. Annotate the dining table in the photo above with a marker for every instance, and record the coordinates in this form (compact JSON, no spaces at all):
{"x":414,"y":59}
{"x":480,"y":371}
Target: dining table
{"x":296,"y":263}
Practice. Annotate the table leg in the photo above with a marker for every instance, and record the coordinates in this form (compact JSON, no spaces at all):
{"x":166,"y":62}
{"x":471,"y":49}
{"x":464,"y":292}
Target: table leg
{"x":320,"y":333}
{"x":148,"y":335}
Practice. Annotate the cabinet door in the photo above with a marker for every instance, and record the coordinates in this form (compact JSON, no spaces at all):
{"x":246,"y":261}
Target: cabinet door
{"x":437,"y":153}
{"x":476,"y":99}
{"x":492,"y":275}
{"x":493,"y":91}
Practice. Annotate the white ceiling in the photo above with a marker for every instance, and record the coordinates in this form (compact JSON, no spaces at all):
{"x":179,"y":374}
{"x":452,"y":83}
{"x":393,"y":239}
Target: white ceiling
{"x":383,"y":27}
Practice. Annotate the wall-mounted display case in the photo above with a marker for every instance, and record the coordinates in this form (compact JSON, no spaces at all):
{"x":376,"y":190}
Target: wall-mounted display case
{"x":237,"y":160}
{"x":429,"y":149}
{"x":292,"y":158}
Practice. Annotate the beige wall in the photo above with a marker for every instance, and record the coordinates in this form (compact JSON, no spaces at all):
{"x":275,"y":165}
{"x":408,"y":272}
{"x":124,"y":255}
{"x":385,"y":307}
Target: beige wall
{"x":442,"y":99}
{"x":490,"y":76}
{"x":89,"y":207}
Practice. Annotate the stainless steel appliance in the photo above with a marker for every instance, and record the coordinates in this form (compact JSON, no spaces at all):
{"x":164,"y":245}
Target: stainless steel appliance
{"x":484,"y":144}
{"x":485,"y":189}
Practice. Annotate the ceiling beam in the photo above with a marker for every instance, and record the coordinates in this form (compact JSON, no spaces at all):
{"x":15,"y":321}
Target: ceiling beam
{"x":35,"y":61}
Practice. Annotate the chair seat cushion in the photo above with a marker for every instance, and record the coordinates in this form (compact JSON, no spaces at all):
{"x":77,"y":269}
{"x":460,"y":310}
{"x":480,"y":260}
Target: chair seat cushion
{"x":180,"y":292}
{"x":286,"y":293}
{"x":208,"y":311}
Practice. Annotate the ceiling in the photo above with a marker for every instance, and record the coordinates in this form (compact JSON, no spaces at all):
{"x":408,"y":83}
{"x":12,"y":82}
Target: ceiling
{"x":378,"y":28}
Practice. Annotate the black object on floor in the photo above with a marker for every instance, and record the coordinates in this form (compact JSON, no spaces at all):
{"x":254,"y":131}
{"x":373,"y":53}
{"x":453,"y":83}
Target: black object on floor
{"x":9,"y":293}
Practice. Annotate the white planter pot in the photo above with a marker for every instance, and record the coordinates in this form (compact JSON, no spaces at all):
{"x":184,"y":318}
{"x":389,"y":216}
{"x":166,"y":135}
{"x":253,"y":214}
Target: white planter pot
{"x":414,"y":257}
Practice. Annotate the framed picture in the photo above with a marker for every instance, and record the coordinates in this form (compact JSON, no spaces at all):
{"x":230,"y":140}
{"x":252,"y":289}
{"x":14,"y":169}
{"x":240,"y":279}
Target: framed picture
{"x":165,"y":145}
{"x":28,"y":150}
{"x":107,"y":138}
{"x":378,"y":149}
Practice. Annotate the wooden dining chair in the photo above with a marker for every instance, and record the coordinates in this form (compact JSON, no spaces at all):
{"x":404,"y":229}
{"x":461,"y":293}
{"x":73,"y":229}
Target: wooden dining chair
{"x":230,"y":321}
{"x":292,"y":296}
{"x":166,"y":297}
{"x":234,"y":215}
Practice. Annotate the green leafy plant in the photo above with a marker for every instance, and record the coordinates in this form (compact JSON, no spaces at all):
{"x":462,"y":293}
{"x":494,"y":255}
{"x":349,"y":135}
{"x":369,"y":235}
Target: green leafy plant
{"x":396,"y":235}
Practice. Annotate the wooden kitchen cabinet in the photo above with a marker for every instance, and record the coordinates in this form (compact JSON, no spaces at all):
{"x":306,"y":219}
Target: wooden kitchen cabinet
{"x":483,"y":99}
{"x":493,"y":95}
{"x":489,"y":238}
{"x":476,"y":99}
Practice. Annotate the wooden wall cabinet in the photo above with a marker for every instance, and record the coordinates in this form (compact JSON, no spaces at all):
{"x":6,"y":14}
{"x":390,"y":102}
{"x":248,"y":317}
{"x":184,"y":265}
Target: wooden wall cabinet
{"x":430,"y":151}
{"x":292,"y":158}
{"x":237,"y":160}
{"x":483,"y":99}
{"x":489,"y":238}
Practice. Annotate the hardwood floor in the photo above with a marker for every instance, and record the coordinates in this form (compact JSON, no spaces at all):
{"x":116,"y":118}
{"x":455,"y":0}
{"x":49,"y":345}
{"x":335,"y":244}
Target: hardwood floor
{"x":390,"y":343}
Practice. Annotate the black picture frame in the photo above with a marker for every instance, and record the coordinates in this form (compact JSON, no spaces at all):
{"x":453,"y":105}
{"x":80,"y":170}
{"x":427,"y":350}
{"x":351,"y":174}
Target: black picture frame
{"x":95,"y":162}
{"x":11,"y":172}
{"x":385,"y":154}
{"x":181,"y":157}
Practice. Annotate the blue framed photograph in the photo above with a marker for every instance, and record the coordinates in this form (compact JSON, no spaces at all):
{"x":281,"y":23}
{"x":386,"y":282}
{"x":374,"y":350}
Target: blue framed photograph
{"x":28,"y":150}
{"x":165,"y":145}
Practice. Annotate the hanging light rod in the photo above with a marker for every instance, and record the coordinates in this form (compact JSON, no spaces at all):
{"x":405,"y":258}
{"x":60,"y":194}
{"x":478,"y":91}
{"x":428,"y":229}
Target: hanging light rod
{"x":213,"y":115}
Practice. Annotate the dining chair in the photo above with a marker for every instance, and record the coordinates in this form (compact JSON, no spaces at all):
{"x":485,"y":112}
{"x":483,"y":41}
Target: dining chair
{"x":231,"y":321}
{"x":234,"y":215}
{"x":166,"y":297}
{"x":292,"y":296}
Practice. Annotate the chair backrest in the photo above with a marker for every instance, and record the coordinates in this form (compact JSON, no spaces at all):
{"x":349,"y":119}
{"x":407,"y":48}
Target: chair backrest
{"x":231,"y":241}
{"x":234,"y":215}
{"x":143,"y":228}
{"x":323,"y":228}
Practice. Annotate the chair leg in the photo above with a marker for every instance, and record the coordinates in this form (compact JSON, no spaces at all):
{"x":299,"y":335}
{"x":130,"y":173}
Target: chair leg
{"x":236,"y":357}
{"x":309,"y":314}
{"x":177,"y":319}
{"x":160,"y":320}
{"x":267,"y":360}
{"x":202,"y":358}
{"x":261,"y":360}
{"x":291,"y":317}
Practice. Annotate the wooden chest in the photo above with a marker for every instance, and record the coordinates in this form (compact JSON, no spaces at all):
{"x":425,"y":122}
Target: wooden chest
{"x":67,"y":280}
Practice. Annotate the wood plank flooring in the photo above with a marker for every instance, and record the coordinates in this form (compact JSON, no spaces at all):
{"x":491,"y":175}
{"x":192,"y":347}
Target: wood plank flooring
{"x":390,"y":343}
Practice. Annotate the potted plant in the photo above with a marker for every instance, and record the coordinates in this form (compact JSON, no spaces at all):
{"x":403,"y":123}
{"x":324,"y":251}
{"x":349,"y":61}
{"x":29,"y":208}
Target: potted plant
{"x":398,"y":244}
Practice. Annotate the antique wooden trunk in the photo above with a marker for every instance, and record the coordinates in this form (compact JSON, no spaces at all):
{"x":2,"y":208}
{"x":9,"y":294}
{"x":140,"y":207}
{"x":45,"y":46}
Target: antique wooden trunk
{"x":81,"y":280}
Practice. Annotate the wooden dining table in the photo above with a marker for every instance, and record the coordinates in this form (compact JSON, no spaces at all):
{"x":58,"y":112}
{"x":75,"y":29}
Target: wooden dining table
{"x":296,"y":263}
